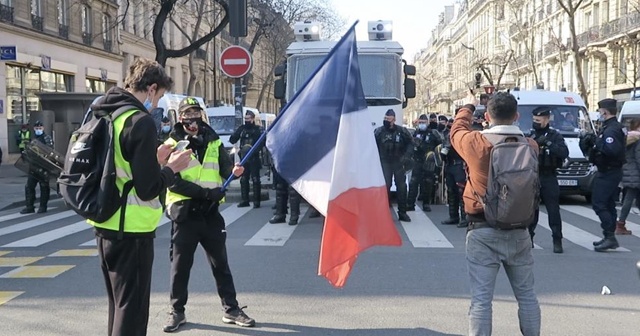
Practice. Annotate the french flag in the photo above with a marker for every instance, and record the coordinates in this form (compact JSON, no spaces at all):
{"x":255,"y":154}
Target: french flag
{"x":323,"y":144}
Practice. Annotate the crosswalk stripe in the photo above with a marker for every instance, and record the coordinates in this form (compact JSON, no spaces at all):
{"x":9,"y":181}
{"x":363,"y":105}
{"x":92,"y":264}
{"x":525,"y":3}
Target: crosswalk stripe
{"x":634,"y":227}
{"x":232,"y":213}
{"x":35,"y":222}
{"x":50,"y":236}
{"x":274,"y":234}
{"x":93,"y":242}
{"x":16,"y":215}
{"x":423,"y":233}
{"x":579,"y":236}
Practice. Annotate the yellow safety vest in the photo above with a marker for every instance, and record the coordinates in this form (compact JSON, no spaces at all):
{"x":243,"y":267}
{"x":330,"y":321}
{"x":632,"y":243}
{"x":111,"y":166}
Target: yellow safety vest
{"x":206,"y":175}
{"x":140,"y":216}
{"x":25,"y":137}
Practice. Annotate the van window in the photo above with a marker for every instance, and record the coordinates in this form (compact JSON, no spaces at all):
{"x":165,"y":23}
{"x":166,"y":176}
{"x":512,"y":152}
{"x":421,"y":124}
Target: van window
{"x":568,"y":120}
{"x":223,"y":125}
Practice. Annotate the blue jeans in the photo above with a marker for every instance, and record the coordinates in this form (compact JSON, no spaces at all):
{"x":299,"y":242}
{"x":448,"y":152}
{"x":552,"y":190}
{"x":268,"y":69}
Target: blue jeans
{"x":487,"y":249}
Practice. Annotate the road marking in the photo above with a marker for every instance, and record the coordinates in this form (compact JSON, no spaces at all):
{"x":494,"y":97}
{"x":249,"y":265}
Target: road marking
{"x":423,"y":233}
{"x":37,"y":271}
{"x":634,"y":227}
{"x":16,"y":215}
{"x":93,"y":242}
{"x":8,"y":296}
{"x":3,"y":253}
{"x":275,"y":234}
{"x":17,"y":261}
{"x":49,"y":236}
{"x":233,"y":213}
{"x":75,"y":253}
{"x":35,"y":222}
{"x":573,"y":233}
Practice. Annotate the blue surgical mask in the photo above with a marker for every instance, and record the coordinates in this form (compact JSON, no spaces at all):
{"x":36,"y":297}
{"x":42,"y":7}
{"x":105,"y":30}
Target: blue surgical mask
{"x":422,"y":127}
{"x":39,"y":132}
{"x":147,"y":104}
{"x":166,"y":129}
{"x":601,"y":118}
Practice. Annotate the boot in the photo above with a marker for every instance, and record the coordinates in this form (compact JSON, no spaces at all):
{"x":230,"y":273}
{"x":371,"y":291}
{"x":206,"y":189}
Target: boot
{"x":610,"y":242}
{"x":403,"y":217}
{"x":45,"y":192}
{"x":411,"y":207}
{"x":314,"y":213}
{"x":257,"y":190}
{"x":281,"y":205}
{"x":463,"y":217}
{"x":426,"y":208}
{"x":244,"y":192}
{"x":621,"y":229}
{"x":454,"y":218}
{"x":30,"y":199}
{"x":294,"y":203}
{"x":557,"y":246}
{"x":427,"y":198}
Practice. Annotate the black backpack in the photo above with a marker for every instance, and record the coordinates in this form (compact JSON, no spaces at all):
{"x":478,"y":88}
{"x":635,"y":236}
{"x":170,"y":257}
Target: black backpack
{"x":88,"y":181}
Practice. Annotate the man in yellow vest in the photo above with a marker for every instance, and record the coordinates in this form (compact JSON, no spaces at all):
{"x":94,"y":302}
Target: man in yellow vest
{"x":24,"y":137}
{"x":127,"y":262}
{"x":192,"y":204}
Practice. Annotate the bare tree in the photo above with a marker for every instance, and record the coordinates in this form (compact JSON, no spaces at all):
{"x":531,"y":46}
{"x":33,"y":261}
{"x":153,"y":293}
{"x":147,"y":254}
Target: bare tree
{"x":524,"y":27}
{"x":499,"y":62}
{"x":570,"y":8}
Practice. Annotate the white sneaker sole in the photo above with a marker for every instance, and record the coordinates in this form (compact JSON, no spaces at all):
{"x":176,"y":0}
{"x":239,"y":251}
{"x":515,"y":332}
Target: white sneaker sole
{"x":230,"y":321}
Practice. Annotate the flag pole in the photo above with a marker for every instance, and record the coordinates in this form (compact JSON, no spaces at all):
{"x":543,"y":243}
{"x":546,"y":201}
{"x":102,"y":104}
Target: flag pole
{"x":285,"y":108}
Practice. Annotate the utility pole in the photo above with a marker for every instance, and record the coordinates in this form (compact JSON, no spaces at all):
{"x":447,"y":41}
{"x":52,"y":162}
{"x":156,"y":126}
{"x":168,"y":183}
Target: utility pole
{"x":237,"y":29}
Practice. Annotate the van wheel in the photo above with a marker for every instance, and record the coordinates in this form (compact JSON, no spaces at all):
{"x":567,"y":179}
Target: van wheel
{"x":588,"y":198}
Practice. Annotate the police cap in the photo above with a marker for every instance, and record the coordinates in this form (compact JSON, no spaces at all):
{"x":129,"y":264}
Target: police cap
{"x":38,"y":123}
{"x":423,"y":117}
{"x":440,"y":118}
{"x":187,"y":103}
{"x":609,"y":104}
{"x":250,"y":114}
{"x":165,"y":120}
{"x":433,"y":116}
{"x":390,"y":112}
{"x":450,"y":120}
{"x":541,"y":111}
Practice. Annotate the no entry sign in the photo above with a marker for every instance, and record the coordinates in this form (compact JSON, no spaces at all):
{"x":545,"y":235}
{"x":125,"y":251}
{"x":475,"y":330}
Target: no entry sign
{"x":235,"y":61}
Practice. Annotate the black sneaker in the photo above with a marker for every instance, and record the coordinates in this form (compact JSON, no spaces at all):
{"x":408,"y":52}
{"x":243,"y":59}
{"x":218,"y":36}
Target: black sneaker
{"x":27,"y":211}
{"x":238,"y":317}
{"x":243,"y":204}
{"x":174,"y":321}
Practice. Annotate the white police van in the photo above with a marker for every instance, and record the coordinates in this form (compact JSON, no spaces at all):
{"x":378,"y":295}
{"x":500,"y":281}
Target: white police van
{"x":569,"y":116}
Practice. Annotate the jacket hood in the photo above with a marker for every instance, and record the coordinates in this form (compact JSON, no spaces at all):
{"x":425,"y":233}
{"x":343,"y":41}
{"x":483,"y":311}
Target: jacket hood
{"x":114,"y":99}
{"x":633,"y":137}
{"x":505,"y":130}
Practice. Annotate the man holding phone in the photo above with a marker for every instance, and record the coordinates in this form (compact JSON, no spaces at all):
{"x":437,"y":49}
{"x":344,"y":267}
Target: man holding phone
{"x":193,"y":206}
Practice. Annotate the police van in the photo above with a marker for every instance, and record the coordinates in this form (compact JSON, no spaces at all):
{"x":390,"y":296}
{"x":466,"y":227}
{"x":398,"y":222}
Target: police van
{"x":630,"y":110}
{"x":569,"y":116}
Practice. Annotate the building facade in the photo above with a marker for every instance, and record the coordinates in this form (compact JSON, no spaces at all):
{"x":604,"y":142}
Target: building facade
{"x":531,"y":41}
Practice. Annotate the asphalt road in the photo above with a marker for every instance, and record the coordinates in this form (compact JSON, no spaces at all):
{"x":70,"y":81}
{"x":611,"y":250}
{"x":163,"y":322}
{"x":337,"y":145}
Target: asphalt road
{"x":51,"y":284}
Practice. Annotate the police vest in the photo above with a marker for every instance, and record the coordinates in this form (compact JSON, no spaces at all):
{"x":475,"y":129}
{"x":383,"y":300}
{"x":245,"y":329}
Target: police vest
{"x":141,"y":216}
{"x":206,"y":175}
{"x":25,"y":137}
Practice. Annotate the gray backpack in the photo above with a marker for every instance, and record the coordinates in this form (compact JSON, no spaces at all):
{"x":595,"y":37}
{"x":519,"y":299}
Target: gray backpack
{"x":513,"y":185}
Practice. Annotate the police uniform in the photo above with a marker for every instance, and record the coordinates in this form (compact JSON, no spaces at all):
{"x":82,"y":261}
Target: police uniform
{"x":248,"y":135}
{"x":32,"y":180}
{"x":455,"y":179}
{"x":284,"y":193}
{"x":553,"y":152}
{"x":165,"y":130}
{"x":395,"y":147}
{"x":424,"y":172}
{"x":607,"y":153}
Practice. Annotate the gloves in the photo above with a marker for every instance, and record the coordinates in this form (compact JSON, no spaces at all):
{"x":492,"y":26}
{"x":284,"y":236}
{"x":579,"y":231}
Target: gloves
{"x":541,"y":140}
{"x":214,"y":195}
{"x":587,"y":142}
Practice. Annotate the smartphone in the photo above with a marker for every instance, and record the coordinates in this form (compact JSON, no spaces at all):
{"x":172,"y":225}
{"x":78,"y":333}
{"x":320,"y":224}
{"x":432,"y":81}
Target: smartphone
{"x":182,"y":145}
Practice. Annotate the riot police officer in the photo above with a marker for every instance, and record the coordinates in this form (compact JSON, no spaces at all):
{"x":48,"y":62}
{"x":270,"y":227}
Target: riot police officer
{"x":425,"y":141}
{"x":33,"y":179}
{"x":165,"y":130}
{"x":395,"y":147}
{"x":284,"y":193}
{"x":607,"y":152}
{"x":553,"y":152}
{"x":455,"y":179}
{"x":248,"y":135}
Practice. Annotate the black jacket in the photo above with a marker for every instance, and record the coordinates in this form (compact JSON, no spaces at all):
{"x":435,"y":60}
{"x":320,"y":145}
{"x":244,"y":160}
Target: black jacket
{"x":553,"y":149}
{"x":609,"y":149}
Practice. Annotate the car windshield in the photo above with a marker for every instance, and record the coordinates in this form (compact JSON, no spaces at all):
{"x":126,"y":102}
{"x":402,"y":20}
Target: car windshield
{"x":568,"y":120}
{"x":223,"y":125}
{"x":380,"y":73}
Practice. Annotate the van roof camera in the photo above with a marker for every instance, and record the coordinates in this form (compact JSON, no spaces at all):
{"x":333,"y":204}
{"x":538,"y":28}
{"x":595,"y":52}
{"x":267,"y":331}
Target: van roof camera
{"x":307,"y":31}
{"x":380,"y":30}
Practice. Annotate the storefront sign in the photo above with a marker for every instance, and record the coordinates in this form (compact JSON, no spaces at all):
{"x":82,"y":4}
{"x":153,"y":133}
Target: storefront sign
{"x":46,"y":62}
{"x":8,"y":53}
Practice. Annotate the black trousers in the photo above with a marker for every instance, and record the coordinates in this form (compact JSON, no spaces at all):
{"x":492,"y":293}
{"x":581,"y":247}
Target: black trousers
{"x":550,"y":195}
{"x":604,"y":196}
{"x":394,"y":172}
{"x":455,"y":180}
{"x":126,"y":266}
{"x":30,"y":192}
{"x":423,"y":181}
{"x":208,"y":230}
{"x":251,"y":172}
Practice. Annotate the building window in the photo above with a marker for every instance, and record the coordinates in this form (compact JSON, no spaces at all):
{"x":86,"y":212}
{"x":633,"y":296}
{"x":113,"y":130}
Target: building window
{"x":36,"y":8}
{"x":63,"y":19}
{"x":95,"y":85}
{"x":106,"y":32}
{"x":85,"y":17}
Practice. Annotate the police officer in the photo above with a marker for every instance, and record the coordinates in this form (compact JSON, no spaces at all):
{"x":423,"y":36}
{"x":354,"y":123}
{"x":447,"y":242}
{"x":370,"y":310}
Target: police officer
{"x":248,"y":135}
{"x":455,"y":179}
{"x":425,"y":141}
{"x":165,"y":130}
{"x":193,"y":202}
{"x":442,"y":123}
{"x":553,"y":152}
{"x":33,"y":180}
{"x":433,"y":121}
{"x":606,"y":152}
{"x":23,"y":137}
{"x":284,"y":193}
{"x":396,"y":148}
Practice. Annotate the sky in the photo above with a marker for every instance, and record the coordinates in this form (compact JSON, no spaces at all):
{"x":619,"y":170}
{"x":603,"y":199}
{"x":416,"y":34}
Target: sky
{"x":413,"y":20}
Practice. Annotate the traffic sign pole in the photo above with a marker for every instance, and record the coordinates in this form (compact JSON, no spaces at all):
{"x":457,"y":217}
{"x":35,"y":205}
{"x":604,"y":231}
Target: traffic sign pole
{"x":238,"y":97}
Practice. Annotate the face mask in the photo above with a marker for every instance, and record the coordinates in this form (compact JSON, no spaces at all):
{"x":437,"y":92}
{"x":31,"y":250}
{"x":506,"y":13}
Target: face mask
{"x":448,"y":126}
{"x":248,"y":123}
{"x":433,"y":124}
{"x":39,"y":132}
{"x":187,"y":123}
{"x":536,"y":125}
{"x":166,"y":129}
{"x":601,"y":118}
{"x":441,"y":127}
{"x":148,"y":104}
{"x":386,"y":124}
{"x":422,"y":127}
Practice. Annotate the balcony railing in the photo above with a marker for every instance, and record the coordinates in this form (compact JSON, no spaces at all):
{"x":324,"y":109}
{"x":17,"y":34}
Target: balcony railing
{"x":87,"y":38}
{"x":6,"y":13}
{"x":36,"y":22}
{"x":550,"y":49}
{"x":108,"y":45}
{"x":63,"y":31}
